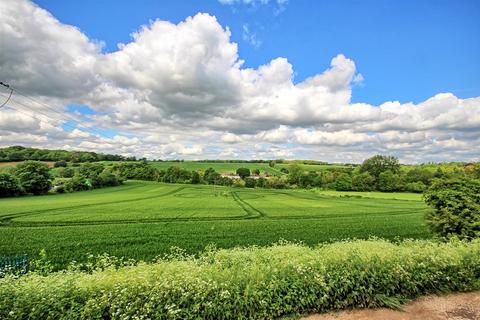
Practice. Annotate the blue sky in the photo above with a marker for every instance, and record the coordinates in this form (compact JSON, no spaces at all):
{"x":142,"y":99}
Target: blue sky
{"x":405,"y":50}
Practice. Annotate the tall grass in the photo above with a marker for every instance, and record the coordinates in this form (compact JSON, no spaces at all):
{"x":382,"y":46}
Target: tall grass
{"x":248,"y":283}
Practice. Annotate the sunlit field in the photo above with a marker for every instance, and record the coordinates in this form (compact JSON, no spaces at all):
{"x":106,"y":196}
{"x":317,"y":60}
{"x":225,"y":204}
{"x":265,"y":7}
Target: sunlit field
{"x":141,"y":220}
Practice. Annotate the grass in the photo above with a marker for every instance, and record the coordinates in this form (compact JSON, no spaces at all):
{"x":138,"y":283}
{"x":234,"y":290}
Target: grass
{"x":143,"y":219}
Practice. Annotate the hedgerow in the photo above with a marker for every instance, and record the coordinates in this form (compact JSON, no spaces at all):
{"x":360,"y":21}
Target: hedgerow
{"x":248,"y":283}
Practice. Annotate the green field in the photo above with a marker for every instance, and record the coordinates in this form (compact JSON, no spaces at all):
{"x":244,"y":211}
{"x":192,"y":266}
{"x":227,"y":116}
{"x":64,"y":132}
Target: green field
{"x":144,"y":219}
{"x":233,"y":166}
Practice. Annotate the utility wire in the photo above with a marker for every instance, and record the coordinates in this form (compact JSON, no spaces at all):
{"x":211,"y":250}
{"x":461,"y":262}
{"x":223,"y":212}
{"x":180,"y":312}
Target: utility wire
{"x":77,"y":122}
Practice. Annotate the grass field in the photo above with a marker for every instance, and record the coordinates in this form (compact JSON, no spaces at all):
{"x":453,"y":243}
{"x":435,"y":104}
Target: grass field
{"x":233,"y":166}
{"x":144,"y":219}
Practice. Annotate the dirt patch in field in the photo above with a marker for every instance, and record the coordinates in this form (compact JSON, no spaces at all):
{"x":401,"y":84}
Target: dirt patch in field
{"x":458,"y":306}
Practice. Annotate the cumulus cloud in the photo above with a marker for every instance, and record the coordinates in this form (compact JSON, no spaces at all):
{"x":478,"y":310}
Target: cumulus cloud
{"x":180,"y":90}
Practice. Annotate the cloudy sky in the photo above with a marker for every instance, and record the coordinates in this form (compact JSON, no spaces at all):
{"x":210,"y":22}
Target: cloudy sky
{"x":330,"y":80}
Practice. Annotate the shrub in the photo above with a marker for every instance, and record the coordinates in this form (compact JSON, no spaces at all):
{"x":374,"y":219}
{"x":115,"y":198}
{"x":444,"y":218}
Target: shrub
{"x":389,"y":182}
{"x":250,"y":183}
{"x":33,"y":176}
{"x":250,"y":283}
{"x":343,"y":182}
{"x":9,"y":186}
{"x":456,"y":208}
{"x":65,"y":172}
{"x":61,"y":163}
{"x":243,"y":172}
{"x":417,"y":187}
{"x":77,"y":183}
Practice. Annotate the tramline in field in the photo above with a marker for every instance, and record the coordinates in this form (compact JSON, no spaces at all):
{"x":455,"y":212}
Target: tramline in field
{"x":143,"y":219}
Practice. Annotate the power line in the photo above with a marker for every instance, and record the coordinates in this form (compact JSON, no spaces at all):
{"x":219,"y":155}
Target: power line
{"x":77,"y":123}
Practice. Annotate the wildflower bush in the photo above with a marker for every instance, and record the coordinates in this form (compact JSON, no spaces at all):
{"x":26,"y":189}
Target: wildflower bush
{"x":247,"y":283}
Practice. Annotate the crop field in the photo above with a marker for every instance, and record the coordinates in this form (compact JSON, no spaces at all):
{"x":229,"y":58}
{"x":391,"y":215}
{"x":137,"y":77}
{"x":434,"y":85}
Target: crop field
{"x":233,"y":166}
{"x":141,"y":220}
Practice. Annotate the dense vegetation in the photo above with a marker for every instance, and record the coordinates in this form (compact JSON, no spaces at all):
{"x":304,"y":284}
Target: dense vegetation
{"x":143,"y":219}
{"x":251,"y":283}
{"x":34,"y":177}
{"x":456,"y":206}
{"x":19,"y":153}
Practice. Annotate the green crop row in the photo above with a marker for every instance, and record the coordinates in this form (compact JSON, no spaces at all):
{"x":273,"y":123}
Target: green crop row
{"x":248,"y":283}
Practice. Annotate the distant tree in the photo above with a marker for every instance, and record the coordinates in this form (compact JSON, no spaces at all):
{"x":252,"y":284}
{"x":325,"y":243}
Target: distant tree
{"x":195,"y":177}
{"x":250,"y":183}
{"x":33,"y":176}
{"x":243,"y":172}
{"x":61,"y":163}
{"x":456,"y":205}
{"x":65,"y":172}
{"x":295,"y":173}
{"x":389,"y":182}
{"x":271,"y":163}
{"x":416,"y":187}
{"x":363,"y":182}
{"x":9,"y":185}
{"x":378,"y":164}
{"x":261,"y":182}
{"x":343,"y":182}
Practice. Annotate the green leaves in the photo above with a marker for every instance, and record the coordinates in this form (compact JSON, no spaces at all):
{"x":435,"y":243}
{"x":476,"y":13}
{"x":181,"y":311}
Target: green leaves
{"x":248,"y":283}
{"x":456,"y":208}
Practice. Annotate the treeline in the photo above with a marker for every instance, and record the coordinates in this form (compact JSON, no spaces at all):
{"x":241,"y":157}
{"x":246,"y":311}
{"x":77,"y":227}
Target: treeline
{"x":36,"y":178}
{"x":19,"y":153}
{"x":379,"y":173}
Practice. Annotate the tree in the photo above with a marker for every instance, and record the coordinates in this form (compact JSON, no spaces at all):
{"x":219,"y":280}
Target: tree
{"x":33,"y":176}
{"x":61,"y":163}
{"x":343,"y":182}
{"x":250,"y":183}
{"x":271,"y":163}
{"x":363,"y":182}
{"x":295,"y":173}
{"x":195,"y":177}
{"x":243,"y":172}
{"x":456,"y":208}
{"x":9,"y":185}
{"x":378,"y":164}
{"x":389,"y":182}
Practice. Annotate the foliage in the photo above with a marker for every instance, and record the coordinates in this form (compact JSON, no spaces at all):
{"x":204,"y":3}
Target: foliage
{"x":416,"y":187}
{"x":33,"y":177}
{"x":250,"y":183}
{"x":60,"y":163}
{"x":243,"y":172}
{"x":456,"y":208}
{"x":9,"y":185}
{"x":19,"y":153}
{"x":378,"y":164}
{"x":343,"y":182}
{"x":196,"y":179}
{"x":247,"y":283}
{"x":363,"y":182}
{"x":389,"y":182}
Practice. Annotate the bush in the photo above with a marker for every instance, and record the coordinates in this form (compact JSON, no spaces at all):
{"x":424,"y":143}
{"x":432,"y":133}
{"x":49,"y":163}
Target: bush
{"x":456,"y":208}
{"x":417,"y":187}
{"x":61,"y":163}
{"x":343,"y":182}
{"x":9,"y":186}
{"x":250,"y":283}
{"x":33,"y":176}
{"x":250,"y":183}
{"x":77,"y":183}
{"x":243,"y":172}
{"x":65,"y":172}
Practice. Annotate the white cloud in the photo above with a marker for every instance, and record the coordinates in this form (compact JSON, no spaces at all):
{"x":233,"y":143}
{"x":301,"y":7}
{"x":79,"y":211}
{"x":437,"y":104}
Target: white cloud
{"x":180,"y":90}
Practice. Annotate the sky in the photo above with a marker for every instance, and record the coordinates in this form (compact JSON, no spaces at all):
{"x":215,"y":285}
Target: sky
{"x":335,"y":81}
